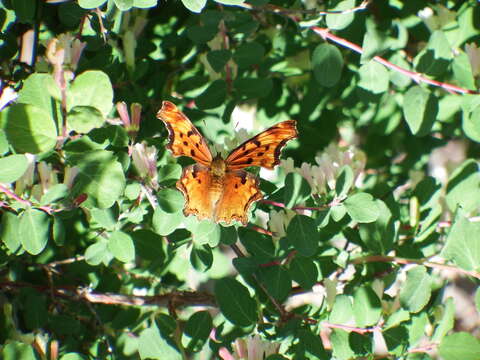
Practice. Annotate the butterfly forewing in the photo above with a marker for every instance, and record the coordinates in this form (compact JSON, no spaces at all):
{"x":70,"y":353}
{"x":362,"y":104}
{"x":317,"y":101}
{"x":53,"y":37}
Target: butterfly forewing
{"x":184,"y":138}
{"x":263,"y":149}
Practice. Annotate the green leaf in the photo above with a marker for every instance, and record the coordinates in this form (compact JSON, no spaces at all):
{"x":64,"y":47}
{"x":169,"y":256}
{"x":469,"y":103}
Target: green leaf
{"x":165,"y":223}
{"x":201,"y":257}
{"x":34,"y":228}
{"x":343,"y":19}
{"x":342,"y":310}
{"x":303,"y":271}
{"x":72,"y":356}
{"x":15,"y":350}
{"x":462,"y":246}
{"x":91,"y":88}
{"x":344,"y":181}
{"x":170,"y":200}
{"x":230,"y":2}
{"x":327,"y":64}
{"x":55,"y":193}
{"x":416,"y":292}
{"x":341,"y":345}
{"x":470,"y":125}
{"x":100,"y":176}
{"x":249,"y":54}
{"x":151,"y":345}
{"x":3,"y":141}
{"x":124,"y":5}
{"x":218,"y":59}
{"x":420,"y":109}
{"x":277,"y":281}
{"x":251,"y":88}
{"x":195,"y":6}
{"x":121,"y":246}
{"x":82,"y":119}
{"x":197,"y":329}
{"x":362,"y":208}
{"x":206,"y":232}
{"x":337,"y":212}
{"x":367,"y":308}
{"x":104,"y":218}
{"x":200,"y":34}
{"x":213,"y":96}
{"x":24,"y":10}
{"x":436,"y":56}
{"x":13,"y":167}
{"x":308,"y":347}
{"x":297,"y":189}
{"x":91,"y":4}
{"x":463,"y":188}
{"x":58,"y":231}
{"x":362,"y":345}
{"x":145,"y":4}
{"x":148,"y":245}
{"x":9,"y":233}
{"x":380,"y":235}
{"x":98,"y":253}
{"x":446,"y":322}
{"x":235,"y":302}
{"x":303,"y":235}
{"x":396,"y":340}
{"x":40,"y":89}
{"x":462,"y":70}
{"x":374,"y":77}
{"x":459,"y":346}
{"x":169,"y":174}
{"x":30,"y":129}
{"x":257,"y":245}
{"x":35,"y":315}
{"x":228,"y":235}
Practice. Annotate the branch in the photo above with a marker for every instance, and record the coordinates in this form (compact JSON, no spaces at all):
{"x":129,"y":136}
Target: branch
{"x":177,"y":298}
{"x":403,"y":261}
{"x":357,"y":330}
{"x":417,"y":77}
{"x":49,"y":210}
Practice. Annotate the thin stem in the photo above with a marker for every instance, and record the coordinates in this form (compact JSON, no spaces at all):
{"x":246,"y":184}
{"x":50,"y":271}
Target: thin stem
{"x":417,"y":77}
{"x":403,"y":261}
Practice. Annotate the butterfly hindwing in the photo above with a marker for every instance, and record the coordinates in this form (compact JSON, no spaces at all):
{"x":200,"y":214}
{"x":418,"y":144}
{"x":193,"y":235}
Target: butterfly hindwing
{"x":264,"y":149}
{"x":240,"y":191}
{"x":195,"y":184}
{"x":184,"y":138}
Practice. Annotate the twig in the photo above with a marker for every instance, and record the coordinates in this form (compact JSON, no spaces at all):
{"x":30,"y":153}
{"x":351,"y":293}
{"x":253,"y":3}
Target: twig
{"x":283,"y":313}
{"x":49,"y":210}
{"x":354,"y":329}
{"x":403,"y":261}
{"x":295,"y":208}
{"x":261,"y":230}
{"x":417,"y":77}
{"x":179,"y":298}
{"x":280,"y":10}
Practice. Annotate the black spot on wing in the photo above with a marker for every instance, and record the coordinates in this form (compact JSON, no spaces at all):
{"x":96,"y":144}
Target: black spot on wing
{"x":190,"y":133}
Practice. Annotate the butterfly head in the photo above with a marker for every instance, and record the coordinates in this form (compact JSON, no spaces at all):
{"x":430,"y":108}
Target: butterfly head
{"x":218,"y":166}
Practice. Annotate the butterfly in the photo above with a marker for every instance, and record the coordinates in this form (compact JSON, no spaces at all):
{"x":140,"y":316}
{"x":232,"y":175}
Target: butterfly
{"x":215,"y":188}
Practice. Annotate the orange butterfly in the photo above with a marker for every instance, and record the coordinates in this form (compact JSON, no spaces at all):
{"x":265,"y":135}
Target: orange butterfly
{"x":215,"y":188}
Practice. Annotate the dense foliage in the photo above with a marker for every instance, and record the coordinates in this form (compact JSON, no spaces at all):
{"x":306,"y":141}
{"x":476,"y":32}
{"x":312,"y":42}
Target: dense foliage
{"x":366,"y":244}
